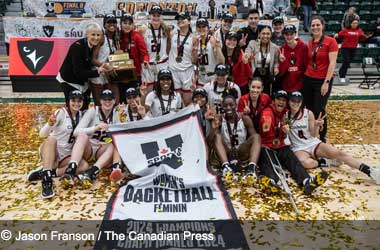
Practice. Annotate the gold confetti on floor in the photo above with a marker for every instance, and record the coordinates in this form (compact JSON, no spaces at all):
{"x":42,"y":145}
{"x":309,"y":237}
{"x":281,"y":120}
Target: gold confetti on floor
{"x":348,"y":194}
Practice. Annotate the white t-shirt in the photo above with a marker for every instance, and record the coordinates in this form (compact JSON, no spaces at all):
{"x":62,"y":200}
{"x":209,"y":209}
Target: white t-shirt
{"x":154,"y":103}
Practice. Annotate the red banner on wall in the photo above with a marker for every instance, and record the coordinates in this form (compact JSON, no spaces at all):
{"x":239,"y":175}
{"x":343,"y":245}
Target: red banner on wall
{"x":37,"y":57}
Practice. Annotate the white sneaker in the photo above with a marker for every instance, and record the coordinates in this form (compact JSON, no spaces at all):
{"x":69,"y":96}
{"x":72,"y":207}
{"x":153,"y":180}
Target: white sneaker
{"x":342,"y":80}
{"x":375,"y":175}
{"x":333,"y":162}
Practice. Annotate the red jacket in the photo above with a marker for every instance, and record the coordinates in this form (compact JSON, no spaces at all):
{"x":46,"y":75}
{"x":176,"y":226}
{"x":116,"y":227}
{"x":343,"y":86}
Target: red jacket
{"x":351,"y":37}
{"x":294,"y":66}
{"x":272,"y":118}
{"x":263,"y":102}
{"x":240,"y":71}
{"x":139,"y":53}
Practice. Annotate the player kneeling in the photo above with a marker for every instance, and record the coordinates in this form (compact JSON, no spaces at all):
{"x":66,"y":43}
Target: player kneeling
{"x":236,"y":141}
{"x":273,"y":131}
{"x":56,"y":149}
{"x":304,"y":129}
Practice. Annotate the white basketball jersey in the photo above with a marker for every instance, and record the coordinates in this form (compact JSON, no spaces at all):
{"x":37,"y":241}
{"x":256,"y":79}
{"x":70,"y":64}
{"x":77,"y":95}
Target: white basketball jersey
{"x":241,"y":132}
{"x":151,"y":46}
{"x":64,"y":129}
{"x":211,"y":60}
{"x":299,"y":135}
{"x":186,"y":62}
{"x":215,"y":97}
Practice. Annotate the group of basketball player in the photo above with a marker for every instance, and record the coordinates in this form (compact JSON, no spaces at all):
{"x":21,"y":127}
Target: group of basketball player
{"x":243,"y":126}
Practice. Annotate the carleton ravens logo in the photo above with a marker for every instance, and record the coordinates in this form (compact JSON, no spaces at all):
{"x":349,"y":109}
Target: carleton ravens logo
{"x":48,"y":30}
{"x":35,"y":53}
{"x":171,"y":155}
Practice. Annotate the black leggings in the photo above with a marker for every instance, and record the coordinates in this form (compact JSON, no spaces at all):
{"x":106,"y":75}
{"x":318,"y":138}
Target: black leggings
{"x":314,"y":101}
{"x":288,"y":161}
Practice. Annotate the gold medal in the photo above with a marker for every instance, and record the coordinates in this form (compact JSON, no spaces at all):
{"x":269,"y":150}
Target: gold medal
{"x":178,"y":59}
{"x":202,"y":69}
{"x":276,"y":142}
{"x":262,"y":71}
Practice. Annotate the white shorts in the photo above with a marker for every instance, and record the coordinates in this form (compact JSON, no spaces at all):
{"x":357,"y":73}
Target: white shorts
{"x":183,"y":79}
{"x":149,"y":75}
{"x":95,"y":146}
{"x":311,"y":149}
{"x":62,"y":152}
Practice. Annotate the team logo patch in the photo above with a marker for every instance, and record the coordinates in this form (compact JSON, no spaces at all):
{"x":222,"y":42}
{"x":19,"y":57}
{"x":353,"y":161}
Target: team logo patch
{"x":171,"y":155}
{"x":35,"y":53}
{"x":48,"y":30}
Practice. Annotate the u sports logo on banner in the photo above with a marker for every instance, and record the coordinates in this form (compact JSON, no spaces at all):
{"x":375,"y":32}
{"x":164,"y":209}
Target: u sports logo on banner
{"x":171,"y":155}
{"x":35,"y":53}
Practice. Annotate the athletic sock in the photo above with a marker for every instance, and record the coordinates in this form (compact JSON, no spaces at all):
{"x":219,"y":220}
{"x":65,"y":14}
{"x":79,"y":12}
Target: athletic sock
{"x":365,"y":169}
{"x":305,"y":181}
{"x":226,"y":163}
{"x":76,"y":163}
{"x":54,"y":172}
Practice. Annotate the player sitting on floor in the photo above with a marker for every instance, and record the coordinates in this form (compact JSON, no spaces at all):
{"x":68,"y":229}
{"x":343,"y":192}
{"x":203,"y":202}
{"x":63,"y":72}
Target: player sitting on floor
{"x":55,"y":151}
{"x":273,"y":133}
{"x":133,"y":111}
{"x":91,"y":140}
{"x":236,"y":141}
{"x":304,"y":129}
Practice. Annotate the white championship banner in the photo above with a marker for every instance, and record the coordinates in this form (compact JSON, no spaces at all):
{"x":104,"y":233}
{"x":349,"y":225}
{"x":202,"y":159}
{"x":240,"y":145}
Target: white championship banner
{"x":176,"y":185}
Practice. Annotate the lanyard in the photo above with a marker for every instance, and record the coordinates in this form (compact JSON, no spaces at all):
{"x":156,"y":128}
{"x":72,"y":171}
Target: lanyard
{"x":156,"y":41}
{"x":167,"y":109}
{"x":233,"y":133}
{"x":264,"y":59}
{"x":181,"y":47}
{"x":131,"y":114}
{"x":74,"y":123}
{"x":222,"y":36}
{"x":109,"y":44}
{"x":292,"y":58}
{"x":107,"y":120}
{"x":203,"y":48}
{"x":253,"y":108}
{"x":226,"y":87}
{"x":315,"y":51}
{"x":129,"y":42}
{"x":277,"y":124}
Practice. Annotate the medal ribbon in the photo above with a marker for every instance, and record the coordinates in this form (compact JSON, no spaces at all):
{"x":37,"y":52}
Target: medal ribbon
{"x":181,"y":47}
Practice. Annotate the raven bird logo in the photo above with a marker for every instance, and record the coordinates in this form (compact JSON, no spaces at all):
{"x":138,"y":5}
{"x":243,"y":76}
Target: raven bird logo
{"x":35,"y":53}
{"x":48,"y":30}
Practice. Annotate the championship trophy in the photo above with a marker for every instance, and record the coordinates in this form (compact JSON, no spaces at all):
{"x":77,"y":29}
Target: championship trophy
{"x":123,"y":68}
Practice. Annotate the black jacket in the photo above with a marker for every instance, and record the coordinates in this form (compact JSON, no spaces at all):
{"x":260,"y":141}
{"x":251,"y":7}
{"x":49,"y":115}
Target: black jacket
{"x":252,"y":35}
{"x":77,"y":66}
